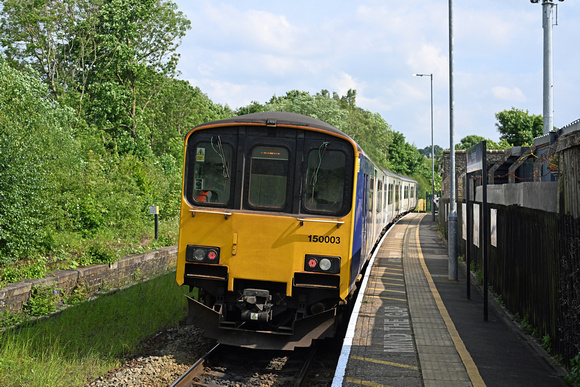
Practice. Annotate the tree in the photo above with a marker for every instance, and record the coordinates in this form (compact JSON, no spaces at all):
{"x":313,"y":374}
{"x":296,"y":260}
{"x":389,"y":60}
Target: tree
{"x":472,"y":140}
{"x":107,"y":58}
{"x":518,"y":127}
{"x":469,"y":141}
{"x":404,"y":158}
{"x":427,"y":150}
{"x":35,"y":148}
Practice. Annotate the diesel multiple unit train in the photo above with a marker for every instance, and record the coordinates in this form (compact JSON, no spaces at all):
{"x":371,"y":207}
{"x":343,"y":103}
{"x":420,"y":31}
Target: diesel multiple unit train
{"x":279,"y":214}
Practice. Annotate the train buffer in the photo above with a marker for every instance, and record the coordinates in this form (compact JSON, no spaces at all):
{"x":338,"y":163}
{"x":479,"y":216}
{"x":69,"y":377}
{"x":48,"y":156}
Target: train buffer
{"x":412,"y":326}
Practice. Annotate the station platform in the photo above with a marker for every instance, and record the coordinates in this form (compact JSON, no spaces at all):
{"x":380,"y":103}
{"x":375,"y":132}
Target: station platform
{"x":412,"y":326}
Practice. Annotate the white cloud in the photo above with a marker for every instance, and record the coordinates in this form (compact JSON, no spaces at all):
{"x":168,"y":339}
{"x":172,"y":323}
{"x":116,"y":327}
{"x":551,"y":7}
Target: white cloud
{"x":508,"y":94}
{"x":250,"y":50}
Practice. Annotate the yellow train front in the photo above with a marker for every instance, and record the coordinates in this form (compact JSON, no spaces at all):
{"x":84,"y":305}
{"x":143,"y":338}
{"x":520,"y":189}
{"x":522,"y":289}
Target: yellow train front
{"x":271,"y":229}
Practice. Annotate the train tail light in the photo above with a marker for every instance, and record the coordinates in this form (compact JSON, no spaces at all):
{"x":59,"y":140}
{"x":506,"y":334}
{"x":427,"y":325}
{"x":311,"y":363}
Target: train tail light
{"x":322,"y":264}
{"x":202,"y":254}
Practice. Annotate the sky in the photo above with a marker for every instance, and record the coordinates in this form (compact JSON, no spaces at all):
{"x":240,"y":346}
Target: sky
{"x":250,"y":50}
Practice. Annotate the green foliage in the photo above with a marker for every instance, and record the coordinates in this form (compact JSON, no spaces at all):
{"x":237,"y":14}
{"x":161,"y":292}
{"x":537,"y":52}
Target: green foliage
{"x":518,"y":127}
{"x":427,"y":150}
{"x":102,"y":252}
{"x":77,"y":295}
{"x":469,"y":141}
{"x":574,"y":374}
{"x":527,"y":327}
{"x":8,"y":319}
{"x":107,"y":59}
{"x":472,"y":140}
{"x":33,"y":143}
{"x":26,"y":269}
{"x":80,"y":345}
{"x":547,"y":343}
{"x":43,"y":300}
{"x":402,"y":157}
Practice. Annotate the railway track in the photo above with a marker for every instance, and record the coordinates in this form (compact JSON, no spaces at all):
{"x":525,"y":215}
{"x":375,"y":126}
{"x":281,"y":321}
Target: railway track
{"x":224,"y":365}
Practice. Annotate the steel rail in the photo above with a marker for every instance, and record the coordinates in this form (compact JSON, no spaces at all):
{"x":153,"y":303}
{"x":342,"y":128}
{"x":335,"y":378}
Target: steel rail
{"x":194,"y":370}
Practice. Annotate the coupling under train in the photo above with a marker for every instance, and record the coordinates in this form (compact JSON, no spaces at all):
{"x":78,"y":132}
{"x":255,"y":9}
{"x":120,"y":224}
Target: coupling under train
{"x":279,"y":214}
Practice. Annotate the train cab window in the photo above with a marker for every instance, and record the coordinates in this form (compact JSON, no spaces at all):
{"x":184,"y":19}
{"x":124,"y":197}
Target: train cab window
{"x":325,"y":180}
{"x":212,"y":172}
{"x":268,"y":177}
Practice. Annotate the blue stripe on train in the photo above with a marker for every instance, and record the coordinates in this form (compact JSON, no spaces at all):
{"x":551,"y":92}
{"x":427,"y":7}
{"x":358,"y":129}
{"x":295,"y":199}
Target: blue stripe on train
{"x":356,"y":263}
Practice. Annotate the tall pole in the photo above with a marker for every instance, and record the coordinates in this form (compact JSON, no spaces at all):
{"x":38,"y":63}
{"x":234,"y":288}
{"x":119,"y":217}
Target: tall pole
{"x":452,"y":224}
{"x":432,"y":157}
{"x":432,"y":149}
{"x":548,"y":10}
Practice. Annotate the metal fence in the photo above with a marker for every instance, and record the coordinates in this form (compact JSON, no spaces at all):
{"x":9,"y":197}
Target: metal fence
{"x":534,"y":266}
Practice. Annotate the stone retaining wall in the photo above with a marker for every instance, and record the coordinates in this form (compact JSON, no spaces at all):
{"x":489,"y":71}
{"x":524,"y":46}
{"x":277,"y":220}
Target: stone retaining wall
{"x":92,"y":279}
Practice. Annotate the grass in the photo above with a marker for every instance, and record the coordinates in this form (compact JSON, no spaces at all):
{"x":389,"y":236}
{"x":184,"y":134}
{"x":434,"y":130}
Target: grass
{"x":79,"y":344}
{"x":72,"y":251}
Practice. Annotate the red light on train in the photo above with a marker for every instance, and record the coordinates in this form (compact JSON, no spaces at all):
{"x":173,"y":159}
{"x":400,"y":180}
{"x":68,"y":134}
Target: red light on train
{"x":312,"y":263}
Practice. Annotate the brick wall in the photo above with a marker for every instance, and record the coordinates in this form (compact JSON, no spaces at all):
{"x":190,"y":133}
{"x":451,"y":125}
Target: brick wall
{"x":131,"y":269}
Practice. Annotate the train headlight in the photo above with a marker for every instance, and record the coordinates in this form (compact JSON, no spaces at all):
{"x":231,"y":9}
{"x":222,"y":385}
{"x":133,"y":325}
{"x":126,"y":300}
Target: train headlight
{"x":199,"y":254}
{"x":325,"y":264}
{"x":202,"y":254}
{"x":322,"y":264}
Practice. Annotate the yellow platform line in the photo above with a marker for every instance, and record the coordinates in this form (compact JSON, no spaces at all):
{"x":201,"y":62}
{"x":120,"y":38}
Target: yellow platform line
{"x":364,"y":383}
{"x":400,"y":365}
{"x":388,"y":290}
{"x":387,"y":298}
{"x":387,"y":283}
{"x":387,"y":267}
{"x":472,"y":370}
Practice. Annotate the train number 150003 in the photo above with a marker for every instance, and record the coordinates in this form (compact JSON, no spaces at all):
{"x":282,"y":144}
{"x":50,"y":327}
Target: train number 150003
{"x":324,"y":239}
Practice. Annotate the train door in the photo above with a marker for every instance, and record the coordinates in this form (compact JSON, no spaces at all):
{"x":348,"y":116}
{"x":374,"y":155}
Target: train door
{"x":390,"y":207}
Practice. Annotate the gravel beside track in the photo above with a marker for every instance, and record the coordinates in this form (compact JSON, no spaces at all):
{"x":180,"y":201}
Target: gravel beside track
{"x":163,"y":358}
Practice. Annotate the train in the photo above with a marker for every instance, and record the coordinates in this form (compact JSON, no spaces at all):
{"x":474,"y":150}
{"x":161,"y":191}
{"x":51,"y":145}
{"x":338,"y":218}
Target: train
{"x":279,"y":215}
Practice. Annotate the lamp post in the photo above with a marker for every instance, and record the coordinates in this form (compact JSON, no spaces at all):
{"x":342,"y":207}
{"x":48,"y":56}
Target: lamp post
{"x":547,"y":23}
{"x":452,"y":223}
{"x":432,"y":149}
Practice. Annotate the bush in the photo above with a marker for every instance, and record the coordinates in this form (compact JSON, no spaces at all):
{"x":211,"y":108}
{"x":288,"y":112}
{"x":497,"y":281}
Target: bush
{"x":32,"y":141}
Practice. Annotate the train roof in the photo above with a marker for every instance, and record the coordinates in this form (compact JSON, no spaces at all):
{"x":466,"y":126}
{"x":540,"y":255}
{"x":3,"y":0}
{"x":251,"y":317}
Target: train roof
{"x":278,"y":118}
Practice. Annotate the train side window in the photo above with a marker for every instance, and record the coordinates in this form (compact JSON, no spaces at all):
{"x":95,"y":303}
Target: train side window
{"x":212,"y":172}
{"x":325,"y":182}
{"x":268,"y":177}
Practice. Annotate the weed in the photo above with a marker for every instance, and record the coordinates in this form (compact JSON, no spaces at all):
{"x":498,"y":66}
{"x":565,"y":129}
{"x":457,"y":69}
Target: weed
{"x":79,"y":293}
{"x":574,"y":374}
{"x":101,"y":252}
{"x":43,"y":300}
{"x":547,"y":343}
{"x":500,"y":299}
{"x":137,"y":275}
{"x":104,"y":287}
{"x":479,"y":276}
{"x":527,"y":327}
{"x":8,"y":319}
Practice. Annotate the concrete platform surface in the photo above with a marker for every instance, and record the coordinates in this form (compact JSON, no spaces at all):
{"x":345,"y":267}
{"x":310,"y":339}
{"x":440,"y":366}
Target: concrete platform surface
{"x":412,"y":326}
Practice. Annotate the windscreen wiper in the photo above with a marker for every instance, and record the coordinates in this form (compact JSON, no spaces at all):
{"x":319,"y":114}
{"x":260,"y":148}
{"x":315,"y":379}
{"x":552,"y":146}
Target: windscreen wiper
{"x":222,"y":154}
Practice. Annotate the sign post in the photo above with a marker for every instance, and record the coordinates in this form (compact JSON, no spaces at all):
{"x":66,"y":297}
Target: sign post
{"x":154,"y":210}
{"x":477,"y":161}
